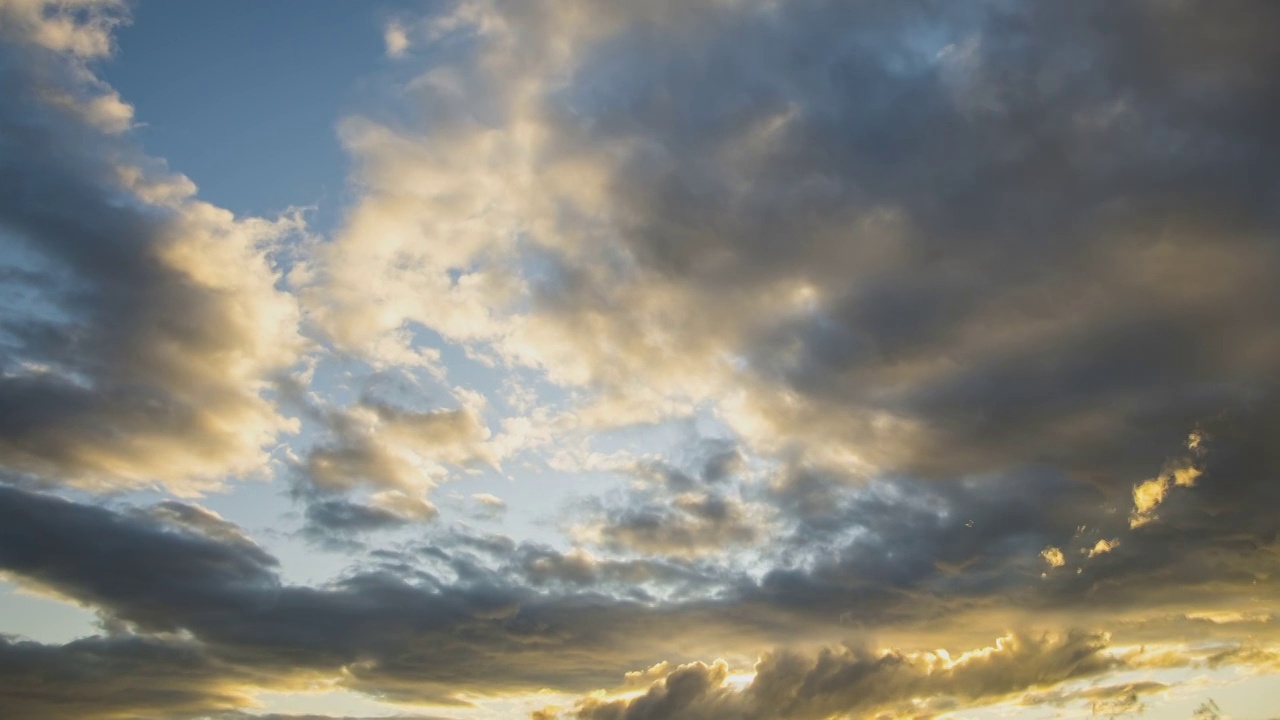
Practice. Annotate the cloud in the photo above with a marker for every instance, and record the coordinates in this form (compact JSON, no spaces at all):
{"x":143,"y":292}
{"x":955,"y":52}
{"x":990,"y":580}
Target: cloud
{"x":376,"y":444}
{"x":396,"y":38}
{"x":128,"y":356}
{"x":333,"y":521}
{"x":489,"y":632}
{"x":105,"y":678}
{"x":343,"y":517}
{"x":684,"y":524}
{"x":955,"y":240}
{"x":852,"y":680}
{"x":506,"y":618}
{"x":1053,"y":556}
{"x":200,"y":521}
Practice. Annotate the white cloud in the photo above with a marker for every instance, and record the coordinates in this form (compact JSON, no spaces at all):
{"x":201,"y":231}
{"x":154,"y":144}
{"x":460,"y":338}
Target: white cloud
{"x":396,"y":38}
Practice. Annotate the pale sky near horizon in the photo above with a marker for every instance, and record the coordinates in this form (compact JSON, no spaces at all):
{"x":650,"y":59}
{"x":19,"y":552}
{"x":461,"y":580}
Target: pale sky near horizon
{"x":608,"y":360}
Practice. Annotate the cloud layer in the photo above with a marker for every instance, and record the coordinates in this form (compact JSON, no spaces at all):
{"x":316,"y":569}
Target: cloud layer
{"x":843,"y":337}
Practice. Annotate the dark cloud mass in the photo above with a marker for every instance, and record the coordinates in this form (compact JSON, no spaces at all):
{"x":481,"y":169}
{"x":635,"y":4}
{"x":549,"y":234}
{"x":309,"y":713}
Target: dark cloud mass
{"x":107,"y":678}
{"x":963,"y":321}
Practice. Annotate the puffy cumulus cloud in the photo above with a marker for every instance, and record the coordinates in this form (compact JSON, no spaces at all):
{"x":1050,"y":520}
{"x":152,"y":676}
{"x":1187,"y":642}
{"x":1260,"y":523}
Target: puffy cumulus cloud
{"x":929,"y":238}
{"x":131,"y":677}
{"x":174,"y":562}
{"x":689,"y":503}
{"x":375,"y":444}
{"x":336,"y":522}
{"x":396,"y":38}
{"x":646,"y":579}
{"x":141,"y":326}
{"x":199,"y":520}
{"x":489,"y":500}
{"x":1053,"y":556}
{"x":857,"y":682}
{"x":908,"y":550}
{"x":1149,"y":494}
{"x":688,"y":524}
{"x":1102,"y":546}
{"x":79,"y":28}
{"x":487,"y":506}
{"x":1181,"y":472}
{"x":1213,"y":540}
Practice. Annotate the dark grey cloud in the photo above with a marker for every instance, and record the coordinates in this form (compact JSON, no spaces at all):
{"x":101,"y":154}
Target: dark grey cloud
{"x":936,"y":239}
{"x":689,"y":523}
{"x":1083,"y":263}
{"x":485,"y":630}
{"x":373,"y":442}
{"x":466,"y":614}
{"x":104,"y":678}
{"x":335,"y":523}
{"x":112,"y":677}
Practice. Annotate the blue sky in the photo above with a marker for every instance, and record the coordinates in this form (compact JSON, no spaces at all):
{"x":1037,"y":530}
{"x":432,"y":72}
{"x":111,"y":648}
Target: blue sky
{"x":244,"y":96}
{"x":592,"y":360}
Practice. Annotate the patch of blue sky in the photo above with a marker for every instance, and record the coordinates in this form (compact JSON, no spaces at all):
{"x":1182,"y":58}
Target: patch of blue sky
{"x":26,"y":279}
{"x":240,"y":95}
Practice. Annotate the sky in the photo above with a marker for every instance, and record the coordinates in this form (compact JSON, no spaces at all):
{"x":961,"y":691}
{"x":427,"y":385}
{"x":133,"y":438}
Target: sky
{"x":611,"y":360}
